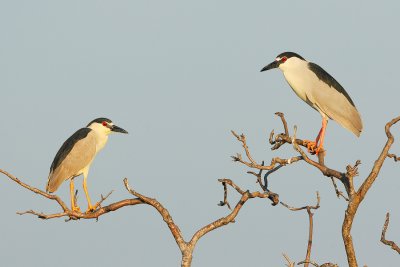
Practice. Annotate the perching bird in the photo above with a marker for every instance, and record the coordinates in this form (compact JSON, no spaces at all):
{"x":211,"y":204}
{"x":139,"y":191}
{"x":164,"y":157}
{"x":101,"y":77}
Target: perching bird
{"x":76,"y":155}
{"x":321,"y":91}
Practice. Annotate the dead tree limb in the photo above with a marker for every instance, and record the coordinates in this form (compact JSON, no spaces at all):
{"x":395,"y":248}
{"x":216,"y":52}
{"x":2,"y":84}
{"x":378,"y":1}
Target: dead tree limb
{"x":290,"y":263}
{"x":359,"y":195}
{"x":252,"y":163}
{"x":394,"y":157}
{"x":338,"y":192}
{"x":186,"y":247}
{"x":310,"y":229}
{"x":354,"y":196}
{"x":328,"y":264}
{"x":71,"y":215}
{"x":391,"y":244}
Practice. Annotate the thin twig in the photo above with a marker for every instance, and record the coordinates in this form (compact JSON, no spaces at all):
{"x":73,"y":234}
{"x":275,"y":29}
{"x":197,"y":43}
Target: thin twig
{"x":304,"y":207}
{"x":391,"y":244}
{"x":338,"y":192}
{"x":225,"y":202}
{"x":252,"y":163}
{"x":282,"y":116}
{"x":328,"y":264}
{"x":259,"y":181}
{"x":267,"y":194}
{"x":308,"y":262}
{"x":311,"y":225}
{"x":98,"y":204}
{"x":268,"y":173}
{"x":394,"y":157}
{"x":328,"y":172}
{"x":289,"y":262}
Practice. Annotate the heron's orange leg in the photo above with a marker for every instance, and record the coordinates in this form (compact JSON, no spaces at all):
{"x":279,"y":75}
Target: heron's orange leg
{"x":321,"y":136}
{"x":74,"y":207}
{"x":90,"y":207}
{"x":314,"y":147}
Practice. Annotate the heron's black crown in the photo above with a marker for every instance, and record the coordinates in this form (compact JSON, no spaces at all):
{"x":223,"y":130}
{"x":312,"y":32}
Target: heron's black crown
{"x":99,"y":120}
{"x":289,"y":55}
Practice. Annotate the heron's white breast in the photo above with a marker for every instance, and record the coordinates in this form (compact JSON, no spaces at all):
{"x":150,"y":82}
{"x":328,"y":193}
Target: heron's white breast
{"x":101,"y":138}
{"x":300,"y":78}
{"x":101,"y":141}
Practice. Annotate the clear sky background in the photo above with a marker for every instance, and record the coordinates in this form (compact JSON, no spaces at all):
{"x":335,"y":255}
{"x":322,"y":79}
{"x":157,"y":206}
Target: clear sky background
{"x":179,"y":75}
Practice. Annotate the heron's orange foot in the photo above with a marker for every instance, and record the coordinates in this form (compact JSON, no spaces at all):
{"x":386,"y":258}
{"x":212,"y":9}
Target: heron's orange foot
{"x":319,"y":149}
{"x":76,"y":209}
{"x":90,"y":209}
{"x":311,"y":146}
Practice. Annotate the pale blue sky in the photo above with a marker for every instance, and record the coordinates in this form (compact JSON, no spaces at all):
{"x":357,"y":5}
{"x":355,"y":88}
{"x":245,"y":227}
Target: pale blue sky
{"x":179,"y":75}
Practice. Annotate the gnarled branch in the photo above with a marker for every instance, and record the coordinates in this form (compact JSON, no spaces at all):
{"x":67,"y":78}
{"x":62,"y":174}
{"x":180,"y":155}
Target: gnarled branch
{"x":70,"y":214}
{"x":391,"y":244}
{"x":358,"y":197}
{"x":310,"y":229}
{"x":186,"y":247}
{"x":354,"y":197}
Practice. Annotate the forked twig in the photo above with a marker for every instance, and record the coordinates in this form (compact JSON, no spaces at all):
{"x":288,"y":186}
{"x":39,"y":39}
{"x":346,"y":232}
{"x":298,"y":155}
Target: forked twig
{"x":391,"y":244}
{"x":310,"y":229}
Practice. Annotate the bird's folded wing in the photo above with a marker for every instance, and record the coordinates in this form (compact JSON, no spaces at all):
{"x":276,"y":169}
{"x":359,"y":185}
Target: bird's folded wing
{"x":339,"y":107}
{"x":79,"y":157}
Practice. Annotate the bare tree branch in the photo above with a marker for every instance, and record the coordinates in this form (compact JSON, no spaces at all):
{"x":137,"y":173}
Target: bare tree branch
{"x":289,"y":262}
{"x":280,"y":140}
{"x":176,"y":232}
{"x":304,"y":207}
{"x":310,"y":229}
{"x":252,"y":163}
{"x":225,"y":201}
{"x":392,"y":244}
{"x":394,"y":157}
{"x":308,"y":262}
{"x":272,"y":196}
{"x":330,"y":265}
{"x":358,"y":197}
{"x":324,"y":169}
{"x":185,"y":247}
{"x":71,"y":215}
{"x":338,"y":192}
{"x":316,"y":264}
{"x":354,"y":197}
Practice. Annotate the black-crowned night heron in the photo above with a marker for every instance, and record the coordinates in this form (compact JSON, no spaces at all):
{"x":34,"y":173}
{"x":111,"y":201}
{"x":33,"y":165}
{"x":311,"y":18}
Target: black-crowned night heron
{"x":321,"y":91}
{"x":76,"y":155}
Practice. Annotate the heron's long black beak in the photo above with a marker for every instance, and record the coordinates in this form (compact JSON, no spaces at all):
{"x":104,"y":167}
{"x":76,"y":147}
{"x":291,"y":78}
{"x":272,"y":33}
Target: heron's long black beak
{"x":271,"y":65}
{"x":117,"y":129}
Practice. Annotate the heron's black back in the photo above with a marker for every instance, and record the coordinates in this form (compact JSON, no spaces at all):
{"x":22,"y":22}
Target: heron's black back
{"x":329,"y":80}
{"x":67,"y":147}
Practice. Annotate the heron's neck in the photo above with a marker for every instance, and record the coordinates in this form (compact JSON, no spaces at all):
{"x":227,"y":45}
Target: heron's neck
{"x":101,"y":140}
{"x":101,"y":136}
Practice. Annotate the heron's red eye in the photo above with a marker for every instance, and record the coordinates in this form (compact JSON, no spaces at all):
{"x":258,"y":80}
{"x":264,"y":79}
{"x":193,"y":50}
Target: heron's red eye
{"x":284,"y":59}
{"x":104,"y":123}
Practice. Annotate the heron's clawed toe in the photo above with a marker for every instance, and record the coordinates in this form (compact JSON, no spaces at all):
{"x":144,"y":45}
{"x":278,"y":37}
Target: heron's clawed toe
{"x":311,"y":146}
{"x":90,"y":209}
{"x":319,"y":149}
{"x":76,"y":209}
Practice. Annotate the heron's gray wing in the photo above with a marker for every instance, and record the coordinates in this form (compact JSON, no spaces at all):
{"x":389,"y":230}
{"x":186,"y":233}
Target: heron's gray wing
{"x":333,"y":100}
{"x":329,"y":80}
{"x":74,"y":155}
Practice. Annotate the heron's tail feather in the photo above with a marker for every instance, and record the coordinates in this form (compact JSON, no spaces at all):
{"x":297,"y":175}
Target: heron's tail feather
{"x":54,"y":182}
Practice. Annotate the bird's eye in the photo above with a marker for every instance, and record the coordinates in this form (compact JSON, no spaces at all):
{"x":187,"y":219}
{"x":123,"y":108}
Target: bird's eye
{"x":104,"y":123}
{"x":284,"y":59}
